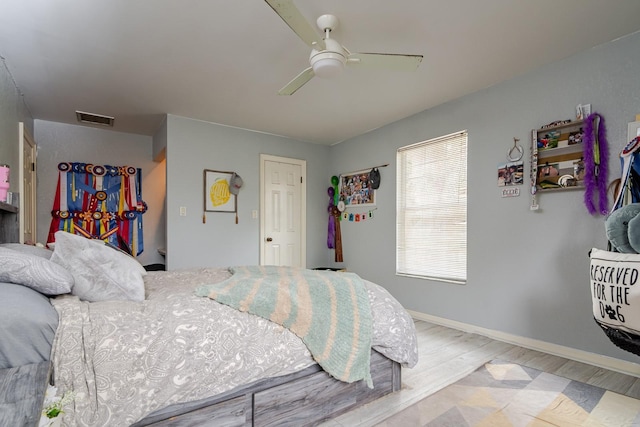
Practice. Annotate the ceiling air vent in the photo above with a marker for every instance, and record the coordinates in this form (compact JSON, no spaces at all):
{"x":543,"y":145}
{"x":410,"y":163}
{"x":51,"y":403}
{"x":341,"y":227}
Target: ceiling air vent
{"x":94,"y":119}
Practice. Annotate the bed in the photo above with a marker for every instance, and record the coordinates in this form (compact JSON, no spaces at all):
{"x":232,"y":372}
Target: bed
{"x":155,"y":348}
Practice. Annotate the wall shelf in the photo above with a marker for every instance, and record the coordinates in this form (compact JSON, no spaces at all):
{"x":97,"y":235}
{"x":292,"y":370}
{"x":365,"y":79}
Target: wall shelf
{"x":9,"y":224}
{"x":560,"y":152}
{"x":556,"y":158}
{"x":6,"y":207}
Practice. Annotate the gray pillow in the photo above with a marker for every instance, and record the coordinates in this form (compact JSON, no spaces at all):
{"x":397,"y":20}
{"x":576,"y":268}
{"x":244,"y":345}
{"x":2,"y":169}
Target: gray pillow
{"x":28,"y":324}
{"x":28,"y":249}
{"x":100,"y":273}
{"x":33,"y":271}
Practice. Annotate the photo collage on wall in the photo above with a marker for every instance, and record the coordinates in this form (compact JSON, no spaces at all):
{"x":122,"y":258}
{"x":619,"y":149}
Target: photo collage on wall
{"x":356,"y":191}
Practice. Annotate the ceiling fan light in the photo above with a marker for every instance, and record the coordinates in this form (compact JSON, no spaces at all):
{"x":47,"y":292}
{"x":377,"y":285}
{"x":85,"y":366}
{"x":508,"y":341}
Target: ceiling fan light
{"x":328,"y":67}
{"x":327,"y":64}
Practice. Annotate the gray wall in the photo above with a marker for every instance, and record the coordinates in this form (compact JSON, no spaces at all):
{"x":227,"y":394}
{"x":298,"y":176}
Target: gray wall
{"x":193,"y":146}
{"x":59,"y":142}
{"x":12,"y":111}
{"x":528,"y":271}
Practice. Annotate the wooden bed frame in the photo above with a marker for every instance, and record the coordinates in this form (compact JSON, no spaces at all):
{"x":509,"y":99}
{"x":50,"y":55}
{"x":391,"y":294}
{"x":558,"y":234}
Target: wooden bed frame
{"x":22,"y":392}
{"x":305,"y":398}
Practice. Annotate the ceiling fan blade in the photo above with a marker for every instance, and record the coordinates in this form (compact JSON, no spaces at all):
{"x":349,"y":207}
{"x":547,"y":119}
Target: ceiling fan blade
{"x":299,"y":81}
{"x":294,"y":19}
{"x":386,"y":61}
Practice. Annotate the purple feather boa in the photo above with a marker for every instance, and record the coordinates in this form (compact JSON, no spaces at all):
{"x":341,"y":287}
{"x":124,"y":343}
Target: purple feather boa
{"x":595,"y":174}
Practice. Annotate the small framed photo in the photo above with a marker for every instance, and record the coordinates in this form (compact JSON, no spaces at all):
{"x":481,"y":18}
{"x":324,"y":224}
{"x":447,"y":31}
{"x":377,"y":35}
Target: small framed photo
{"x":217,"y":197}
{"x":510,"y":174}
{"x":576,"y":137}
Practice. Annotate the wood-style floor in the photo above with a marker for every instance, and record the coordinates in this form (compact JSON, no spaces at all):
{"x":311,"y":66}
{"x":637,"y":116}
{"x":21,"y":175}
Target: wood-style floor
{"x":446,"y":355}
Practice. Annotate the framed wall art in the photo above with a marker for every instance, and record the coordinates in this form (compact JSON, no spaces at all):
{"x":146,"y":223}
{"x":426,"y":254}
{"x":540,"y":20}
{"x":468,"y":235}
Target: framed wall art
{"x":511,"y":173}
{"x":355,"y":189}
{"x":217,"y":197}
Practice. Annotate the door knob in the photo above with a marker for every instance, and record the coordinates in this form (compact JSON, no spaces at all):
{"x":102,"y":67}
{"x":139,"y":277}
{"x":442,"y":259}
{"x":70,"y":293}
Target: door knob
{"x":269,"y":239}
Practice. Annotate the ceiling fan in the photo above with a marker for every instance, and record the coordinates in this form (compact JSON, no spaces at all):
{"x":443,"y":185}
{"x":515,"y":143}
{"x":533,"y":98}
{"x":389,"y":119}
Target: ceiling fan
{"x":328,"y":57}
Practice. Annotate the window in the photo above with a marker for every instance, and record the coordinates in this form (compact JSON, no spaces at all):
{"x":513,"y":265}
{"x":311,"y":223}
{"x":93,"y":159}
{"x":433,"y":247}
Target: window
{"x":431,"y":211}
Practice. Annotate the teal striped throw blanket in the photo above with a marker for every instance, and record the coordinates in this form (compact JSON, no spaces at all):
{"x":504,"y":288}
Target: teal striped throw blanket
{"x":328,"y":310}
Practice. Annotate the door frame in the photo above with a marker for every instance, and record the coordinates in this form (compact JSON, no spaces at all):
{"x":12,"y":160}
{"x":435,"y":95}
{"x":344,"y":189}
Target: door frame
{"x":303,"y":204}
{"x":25,"y":138}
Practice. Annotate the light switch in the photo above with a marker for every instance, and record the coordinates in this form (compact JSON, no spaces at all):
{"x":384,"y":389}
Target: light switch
{"x":254,"y":214}
{"x":183,"y":211}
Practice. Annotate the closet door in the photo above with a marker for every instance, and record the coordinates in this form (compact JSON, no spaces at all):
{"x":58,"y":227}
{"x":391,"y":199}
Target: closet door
{"x":283,"y":212}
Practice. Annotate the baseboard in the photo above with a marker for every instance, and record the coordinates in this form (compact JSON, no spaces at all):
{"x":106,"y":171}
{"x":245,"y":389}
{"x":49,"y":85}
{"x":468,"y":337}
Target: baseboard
{"x":599,"y":360}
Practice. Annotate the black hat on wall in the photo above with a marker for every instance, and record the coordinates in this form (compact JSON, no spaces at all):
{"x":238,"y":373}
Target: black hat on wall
{"x":374,"y":178}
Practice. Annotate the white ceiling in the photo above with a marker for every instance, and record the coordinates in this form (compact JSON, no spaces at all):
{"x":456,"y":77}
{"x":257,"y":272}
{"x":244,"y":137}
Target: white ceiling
{"x":223,"y":61}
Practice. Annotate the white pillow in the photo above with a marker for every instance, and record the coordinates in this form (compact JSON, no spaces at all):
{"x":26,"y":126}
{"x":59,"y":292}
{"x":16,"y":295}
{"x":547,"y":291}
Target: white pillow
{"x":100,"y":272}
{"x":34,"y":271}
{"x":28,"y":249}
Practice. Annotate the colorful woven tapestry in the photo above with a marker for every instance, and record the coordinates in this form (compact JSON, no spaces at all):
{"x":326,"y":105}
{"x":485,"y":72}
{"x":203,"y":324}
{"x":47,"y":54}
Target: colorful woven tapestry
{"x":100,"y":202}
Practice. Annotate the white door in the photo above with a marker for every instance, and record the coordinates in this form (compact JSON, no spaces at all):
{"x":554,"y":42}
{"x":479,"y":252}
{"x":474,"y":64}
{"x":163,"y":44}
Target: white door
{"x":27,"y":186}
{"x":283,"y":212}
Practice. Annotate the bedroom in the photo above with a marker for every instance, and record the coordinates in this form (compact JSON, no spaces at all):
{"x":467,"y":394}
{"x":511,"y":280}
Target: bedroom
{"x":533,"y":290}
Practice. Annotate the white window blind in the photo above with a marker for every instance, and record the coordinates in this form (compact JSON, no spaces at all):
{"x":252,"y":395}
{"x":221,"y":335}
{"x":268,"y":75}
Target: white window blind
{"x":431,"y":217}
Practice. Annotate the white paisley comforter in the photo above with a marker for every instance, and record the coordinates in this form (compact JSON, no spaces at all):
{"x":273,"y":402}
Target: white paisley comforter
{"x":125,"y":359}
